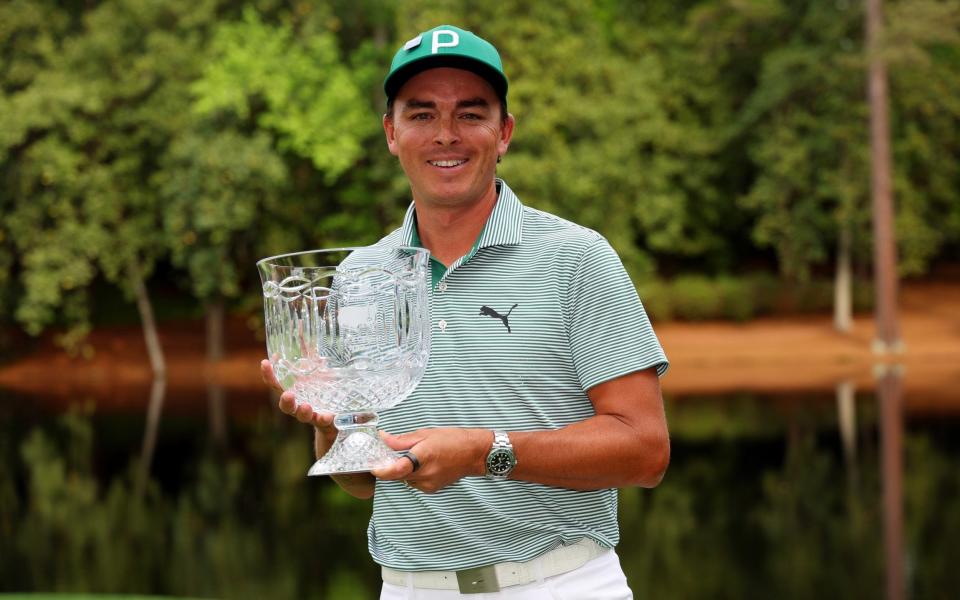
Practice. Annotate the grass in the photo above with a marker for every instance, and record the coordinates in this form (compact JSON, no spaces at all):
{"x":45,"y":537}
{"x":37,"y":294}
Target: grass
{"x":82,"y":597}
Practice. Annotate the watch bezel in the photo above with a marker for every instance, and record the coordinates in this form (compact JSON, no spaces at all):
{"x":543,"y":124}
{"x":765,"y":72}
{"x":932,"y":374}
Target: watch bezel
{"x":501,"y":459}
{"x":493,"y":467}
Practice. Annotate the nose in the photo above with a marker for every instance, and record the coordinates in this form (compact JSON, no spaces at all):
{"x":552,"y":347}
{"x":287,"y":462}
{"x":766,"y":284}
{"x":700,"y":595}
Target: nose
{"x":447,"y":132}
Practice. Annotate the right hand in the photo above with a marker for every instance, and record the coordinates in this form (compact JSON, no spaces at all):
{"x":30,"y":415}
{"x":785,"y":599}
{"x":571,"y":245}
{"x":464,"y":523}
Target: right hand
{"x":303,"y":412}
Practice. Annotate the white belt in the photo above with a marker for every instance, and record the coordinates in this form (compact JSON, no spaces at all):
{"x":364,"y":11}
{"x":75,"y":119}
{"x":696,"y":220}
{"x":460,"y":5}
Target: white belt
{"x":493,"y":577}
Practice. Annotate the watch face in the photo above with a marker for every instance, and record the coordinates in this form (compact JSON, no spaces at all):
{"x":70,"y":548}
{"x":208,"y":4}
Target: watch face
{"x":500,"y":461}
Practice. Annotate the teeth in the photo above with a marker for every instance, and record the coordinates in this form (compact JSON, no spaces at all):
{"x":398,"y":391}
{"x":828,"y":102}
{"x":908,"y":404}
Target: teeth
{"x":447,"y":163}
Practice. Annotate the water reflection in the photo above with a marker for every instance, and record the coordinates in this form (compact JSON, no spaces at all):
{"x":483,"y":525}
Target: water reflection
{"x":154,"y":410}
{"x":797,"y":496}
{"x":847,"y":423}
{"x":890,"y":396}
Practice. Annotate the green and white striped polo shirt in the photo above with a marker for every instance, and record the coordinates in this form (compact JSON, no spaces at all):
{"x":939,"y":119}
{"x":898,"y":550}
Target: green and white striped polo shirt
{"x":538,"y":312}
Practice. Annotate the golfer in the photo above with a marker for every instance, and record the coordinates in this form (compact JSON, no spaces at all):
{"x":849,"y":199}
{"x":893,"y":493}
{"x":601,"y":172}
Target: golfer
{"x":542,"y":394}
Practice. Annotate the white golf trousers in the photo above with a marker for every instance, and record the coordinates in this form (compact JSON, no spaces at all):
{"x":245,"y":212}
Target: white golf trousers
{"x":600,"y":579}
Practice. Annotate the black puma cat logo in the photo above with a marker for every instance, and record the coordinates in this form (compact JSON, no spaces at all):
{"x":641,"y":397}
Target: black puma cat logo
{"x":489,"y":312}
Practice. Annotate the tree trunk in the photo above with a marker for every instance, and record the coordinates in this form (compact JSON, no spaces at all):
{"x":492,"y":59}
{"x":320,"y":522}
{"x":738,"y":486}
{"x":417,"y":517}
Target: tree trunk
{"x":847,"y":419}
{"x":216,"y":400}
{"x":158,"y":365}
{"x":150,"y":336}
{"x":881,"y":179}
{"x":890,"y":398}
{"x":843,"y":284}
{"x":154,"y":410}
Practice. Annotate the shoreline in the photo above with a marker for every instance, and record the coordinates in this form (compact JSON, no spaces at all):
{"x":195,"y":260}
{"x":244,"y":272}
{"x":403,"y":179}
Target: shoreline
{"x":767,"y":355}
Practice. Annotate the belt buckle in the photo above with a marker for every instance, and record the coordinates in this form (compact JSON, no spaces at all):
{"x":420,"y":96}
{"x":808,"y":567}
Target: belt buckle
{"x":478,"y":580}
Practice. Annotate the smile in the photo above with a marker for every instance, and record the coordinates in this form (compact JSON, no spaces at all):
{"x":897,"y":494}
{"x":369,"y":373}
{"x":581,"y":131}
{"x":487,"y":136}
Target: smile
{"x":447,"y":163}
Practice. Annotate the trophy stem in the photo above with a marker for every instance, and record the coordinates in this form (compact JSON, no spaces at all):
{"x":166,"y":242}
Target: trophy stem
{"x":358,"y":446}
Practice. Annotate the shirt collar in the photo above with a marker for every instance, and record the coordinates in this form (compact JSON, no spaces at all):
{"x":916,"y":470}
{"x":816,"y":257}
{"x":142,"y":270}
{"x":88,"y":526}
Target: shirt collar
{"x":504,"y":227}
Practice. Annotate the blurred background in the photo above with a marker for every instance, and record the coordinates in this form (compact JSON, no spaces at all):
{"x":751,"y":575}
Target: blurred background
{"x":151,"y":151}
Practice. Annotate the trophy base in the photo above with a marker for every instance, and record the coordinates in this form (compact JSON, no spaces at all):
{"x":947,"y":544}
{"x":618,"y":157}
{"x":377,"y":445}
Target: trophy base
{"x":358,"y":448}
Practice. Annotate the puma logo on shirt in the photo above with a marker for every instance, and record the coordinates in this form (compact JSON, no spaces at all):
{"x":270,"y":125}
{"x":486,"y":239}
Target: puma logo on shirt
{"x":486,"y":311}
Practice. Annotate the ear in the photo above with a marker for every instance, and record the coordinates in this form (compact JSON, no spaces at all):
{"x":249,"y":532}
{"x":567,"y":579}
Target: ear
{"x":506,"y":134}
{"x":390,"y":132}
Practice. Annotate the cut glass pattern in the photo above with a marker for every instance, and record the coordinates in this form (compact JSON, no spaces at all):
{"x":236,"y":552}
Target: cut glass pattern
{"x":348,"y":331}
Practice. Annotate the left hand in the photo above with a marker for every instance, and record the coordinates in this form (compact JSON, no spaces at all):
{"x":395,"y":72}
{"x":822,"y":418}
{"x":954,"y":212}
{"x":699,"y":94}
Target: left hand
{"x":446,"y":455}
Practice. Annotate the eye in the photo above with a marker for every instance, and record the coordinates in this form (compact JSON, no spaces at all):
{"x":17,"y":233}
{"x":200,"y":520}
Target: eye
{"x":420,"y":116}
{"x":471,"y":116}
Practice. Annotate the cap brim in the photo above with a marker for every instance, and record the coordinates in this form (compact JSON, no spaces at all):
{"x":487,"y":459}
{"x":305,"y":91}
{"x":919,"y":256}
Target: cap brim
{"x":396,"y":80}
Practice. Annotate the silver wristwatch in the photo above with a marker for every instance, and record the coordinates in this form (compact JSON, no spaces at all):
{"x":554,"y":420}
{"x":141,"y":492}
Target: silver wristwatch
{"x":501,"y":459}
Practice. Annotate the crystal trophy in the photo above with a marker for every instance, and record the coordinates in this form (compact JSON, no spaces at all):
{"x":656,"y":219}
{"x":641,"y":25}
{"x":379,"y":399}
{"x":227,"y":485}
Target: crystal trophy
{"x":348,"y":332}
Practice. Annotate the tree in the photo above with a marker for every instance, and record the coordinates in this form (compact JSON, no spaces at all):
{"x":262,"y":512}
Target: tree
{"x":803,"y":120}
{"x":271,"y":98}
{"x":81,"y":138}
{"x":922,"y":49}
{"x":602,"y":139}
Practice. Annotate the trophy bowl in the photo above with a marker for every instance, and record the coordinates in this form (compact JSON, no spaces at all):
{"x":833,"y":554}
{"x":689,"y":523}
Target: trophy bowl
{"x":348,"y":332}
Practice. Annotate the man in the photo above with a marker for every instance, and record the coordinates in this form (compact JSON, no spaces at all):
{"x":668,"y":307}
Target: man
{"x":542,"y":392}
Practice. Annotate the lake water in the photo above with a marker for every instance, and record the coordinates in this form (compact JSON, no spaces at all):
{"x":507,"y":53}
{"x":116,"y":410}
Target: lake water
{"x":803,"y":496}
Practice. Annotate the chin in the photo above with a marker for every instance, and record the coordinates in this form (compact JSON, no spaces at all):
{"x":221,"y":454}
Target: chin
{"x":452,"y":194}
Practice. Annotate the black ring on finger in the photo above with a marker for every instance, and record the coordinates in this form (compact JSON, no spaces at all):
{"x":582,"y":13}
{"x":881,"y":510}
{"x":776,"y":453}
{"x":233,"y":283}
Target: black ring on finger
{"x":413,"y":459}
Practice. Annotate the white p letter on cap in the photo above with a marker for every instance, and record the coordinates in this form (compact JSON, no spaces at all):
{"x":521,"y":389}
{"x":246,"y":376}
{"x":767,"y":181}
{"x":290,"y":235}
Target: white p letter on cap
{"x":437,"y":44}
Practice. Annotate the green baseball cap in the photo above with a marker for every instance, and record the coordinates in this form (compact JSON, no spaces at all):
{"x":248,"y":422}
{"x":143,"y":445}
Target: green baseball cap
{"x":446,"y":46}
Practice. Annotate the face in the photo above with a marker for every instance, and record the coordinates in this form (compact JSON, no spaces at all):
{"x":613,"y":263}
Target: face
{"x":447,"y":131}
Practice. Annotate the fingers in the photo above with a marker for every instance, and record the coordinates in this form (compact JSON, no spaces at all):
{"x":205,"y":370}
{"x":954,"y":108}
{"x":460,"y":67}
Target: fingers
{"x":413,"y":459}
{"x":288,"y":403}
{"x":403,"y":467}
{"x":268,"y":376}
{"x":306,"y":414}
{"x":323,"y":419}
{"x":404,"y":441}
{"x":303,"y":412}
{"x":398,"y":469}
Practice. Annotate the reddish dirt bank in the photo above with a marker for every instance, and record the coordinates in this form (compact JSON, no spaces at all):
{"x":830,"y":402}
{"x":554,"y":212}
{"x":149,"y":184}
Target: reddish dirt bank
{"x":779,"y":355}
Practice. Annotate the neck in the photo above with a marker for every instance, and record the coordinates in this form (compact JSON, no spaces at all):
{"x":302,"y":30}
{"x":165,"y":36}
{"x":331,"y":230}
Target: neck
{"x":449,"y":232}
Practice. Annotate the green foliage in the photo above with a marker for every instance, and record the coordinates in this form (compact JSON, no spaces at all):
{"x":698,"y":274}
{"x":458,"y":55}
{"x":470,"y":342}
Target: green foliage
{"x":216,"y":188}
{"x":80,"y":139}
{"x":806,"y":126}
{"x":697,"y":297}
{"x":735,"y":304}
{"x":697,"y":136}
{"x":229,"y":530}
{"x":809,"y":550}
{"x":758,"y":496}
{"x":923,"y":47}
{"x":756,"y":502}
{"x":70,"y":518}
{"x":925,"y":491}
{"x":311,"y":100}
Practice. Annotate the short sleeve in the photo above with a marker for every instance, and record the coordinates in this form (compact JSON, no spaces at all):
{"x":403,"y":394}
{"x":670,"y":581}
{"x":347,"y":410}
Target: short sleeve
{"x":609,"y":331}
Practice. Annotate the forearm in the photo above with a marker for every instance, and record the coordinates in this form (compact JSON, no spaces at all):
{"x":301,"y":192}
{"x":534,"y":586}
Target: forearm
{"x":624,"y":444}
{"x":600,"y":452}
{"x":358,"y":485}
